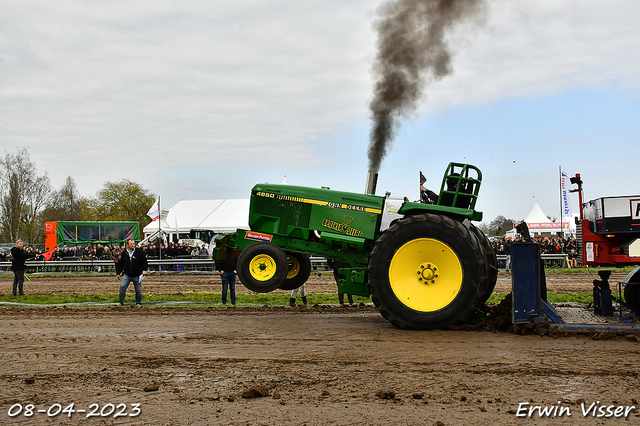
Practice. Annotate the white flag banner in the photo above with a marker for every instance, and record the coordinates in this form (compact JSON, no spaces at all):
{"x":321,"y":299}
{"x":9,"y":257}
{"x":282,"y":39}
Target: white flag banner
{"x":177,"y":232}
{"x":564,"y":189}
{"x":285,"y":181}
{"x":154,"y":211}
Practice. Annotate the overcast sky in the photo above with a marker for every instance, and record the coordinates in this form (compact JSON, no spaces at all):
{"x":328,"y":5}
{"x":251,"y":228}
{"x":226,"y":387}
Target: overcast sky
{"x":201,"y":100}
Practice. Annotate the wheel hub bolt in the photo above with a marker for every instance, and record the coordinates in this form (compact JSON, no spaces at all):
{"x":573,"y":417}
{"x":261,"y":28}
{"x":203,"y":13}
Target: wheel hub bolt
{"x":427,"y":273}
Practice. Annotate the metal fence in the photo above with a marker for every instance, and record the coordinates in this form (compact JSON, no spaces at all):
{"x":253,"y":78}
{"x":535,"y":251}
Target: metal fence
{"x":549,"y":260}
{"x":191,"y":265}
{"x":318,"y":264}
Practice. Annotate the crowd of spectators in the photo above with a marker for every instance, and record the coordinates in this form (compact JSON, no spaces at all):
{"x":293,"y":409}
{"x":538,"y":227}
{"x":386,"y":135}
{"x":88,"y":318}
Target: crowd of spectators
{"x":5,"y":255}
{"x":107,"y":252}
{"x":176,"y":251}
{"x":548,"y":245}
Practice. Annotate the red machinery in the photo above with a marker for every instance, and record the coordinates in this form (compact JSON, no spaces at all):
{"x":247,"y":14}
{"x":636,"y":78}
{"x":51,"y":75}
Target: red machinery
{"x":609,"y":235}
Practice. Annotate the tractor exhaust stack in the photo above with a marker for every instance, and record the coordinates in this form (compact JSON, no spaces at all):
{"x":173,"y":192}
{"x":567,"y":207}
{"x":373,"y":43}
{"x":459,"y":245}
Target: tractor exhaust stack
{"x":372,"y":182}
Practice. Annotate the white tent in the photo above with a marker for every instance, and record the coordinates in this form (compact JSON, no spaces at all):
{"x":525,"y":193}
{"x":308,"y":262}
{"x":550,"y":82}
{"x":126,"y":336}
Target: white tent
{"x":537,"y":216}
{"x":538,"y":222}
{"x":219,"y":216}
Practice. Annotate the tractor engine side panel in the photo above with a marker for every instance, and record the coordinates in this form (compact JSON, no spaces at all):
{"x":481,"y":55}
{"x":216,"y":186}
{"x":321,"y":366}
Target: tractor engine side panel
{"x":294,"y":211}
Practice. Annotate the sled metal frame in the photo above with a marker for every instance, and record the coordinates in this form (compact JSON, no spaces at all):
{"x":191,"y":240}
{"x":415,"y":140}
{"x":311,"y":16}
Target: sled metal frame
{"x":529,"y":293}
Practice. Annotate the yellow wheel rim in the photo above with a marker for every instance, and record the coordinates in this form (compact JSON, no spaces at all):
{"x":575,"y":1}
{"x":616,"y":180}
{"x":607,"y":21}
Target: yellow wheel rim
{"x":425,"y":274}
{"x":262,"y":267}
{"x":294,"y":266}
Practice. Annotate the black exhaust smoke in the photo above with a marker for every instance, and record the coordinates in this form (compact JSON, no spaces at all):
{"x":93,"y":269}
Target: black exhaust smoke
{"x":411,"y":53}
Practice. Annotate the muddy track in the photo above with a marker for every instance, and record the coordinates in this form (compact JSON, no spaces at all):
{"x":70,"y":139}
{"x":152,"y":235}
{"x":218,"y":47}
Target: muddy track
{"x":278,"y":365}
{"x":331,"y":367}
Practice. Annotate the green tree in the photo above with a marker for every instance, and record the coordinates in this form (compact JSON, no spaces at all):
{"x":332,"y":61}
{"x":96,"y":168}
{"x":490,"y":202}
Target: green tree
{"x":123,"y":200}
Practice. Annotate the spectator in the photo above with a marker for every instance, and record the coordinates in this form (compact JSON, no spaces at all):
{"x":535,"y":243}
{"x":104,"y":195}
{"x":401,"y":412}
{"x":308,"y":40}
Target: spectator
{"x":170,"y":251}
{"x":228,"y":272}
{"x":18,"y":265}
{"x":341,"y":298}
{"x":106,"y":253}
{"x":303,"y":294}
{"x":572,"y":259}
{"x":115,"y":253}
{"x":133,"y":266}
{"x":507,"y":249}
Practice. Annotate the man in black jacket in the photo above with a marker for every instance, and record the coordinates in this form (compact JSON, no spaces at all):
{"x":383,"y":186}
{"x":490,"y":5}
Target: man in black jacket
{"x":134,"y":264}
{"x":228,"y":272}
{"x":18,"y":266}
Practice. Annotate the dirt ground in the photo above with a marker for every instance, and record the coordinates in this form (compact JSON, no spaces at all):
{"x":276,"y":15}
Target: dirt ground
{"x":317,"y":283}
{"x":302,"y":366}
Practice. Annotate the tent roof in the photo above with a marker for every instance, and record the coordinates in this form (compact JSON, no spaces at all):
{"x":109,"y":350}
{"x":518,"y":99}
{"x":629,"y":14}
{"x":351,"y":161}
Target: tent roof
{"x":219,"y":216}
{"x":536,"y":215}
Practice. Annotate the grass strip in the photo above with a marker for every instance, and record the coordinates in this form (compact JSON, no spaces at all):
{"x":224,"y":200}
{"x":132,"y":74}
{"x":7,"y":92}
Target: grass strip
{"x":271,"y":299}
{"x":553,"y":297}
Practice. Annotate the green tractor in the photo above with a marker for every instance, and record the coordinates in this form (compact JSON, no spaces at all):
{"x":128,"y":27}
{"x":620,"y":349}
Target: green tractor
{"x":424,"y":264}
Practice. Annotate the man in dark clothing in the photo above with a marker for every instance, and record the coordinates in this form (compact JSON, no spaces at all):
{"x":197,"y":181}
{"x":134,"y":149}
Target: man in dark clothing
{"x":18,"y":266}
{"x":133,"y":263}
{"x":227,"y":268}
{"x":508,"y":245}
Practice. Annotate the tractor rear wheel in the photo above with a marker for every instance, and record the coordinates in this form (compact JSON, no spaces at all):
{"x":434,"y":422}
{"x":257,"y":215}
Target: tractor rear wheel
{"x":424,"y":272}
{"x":299,"y":271}
{"x":262,"y":267}
{"x":489,"y":283}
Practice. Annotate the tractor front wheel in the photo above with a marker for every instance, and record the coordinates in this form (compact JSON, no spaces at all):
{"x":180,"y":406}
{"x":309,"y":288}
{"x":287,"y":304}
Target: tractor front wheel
{"x":299,"y":271}
{"x":424,"y":272}
{"x":262,"y":267}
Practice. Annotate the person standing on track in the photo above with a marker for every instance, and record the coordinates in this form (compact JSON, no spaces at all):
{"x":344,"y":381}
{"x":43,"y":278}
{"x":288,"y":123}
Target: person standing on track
{"x":303,"y":293}
{"x":133,"y":263}
{"x":228,"y":272}
{"x":18,"y":266}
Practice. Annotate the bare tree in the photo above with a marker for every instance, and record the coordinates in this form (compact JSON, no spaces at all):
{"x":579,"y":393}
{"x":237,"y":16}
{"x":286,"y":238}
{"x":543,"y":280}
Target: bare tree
{"x":23,"y":195}
{"x":65,"y":203}
{"x":500,"y":225}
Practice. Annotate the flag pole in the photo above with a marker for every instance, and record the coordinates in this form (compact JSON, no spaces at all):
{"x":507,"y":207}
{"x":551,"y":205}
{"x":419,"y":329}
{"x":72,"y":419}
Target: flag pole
{"x":159,"y":230}
{"x":561,"y":202}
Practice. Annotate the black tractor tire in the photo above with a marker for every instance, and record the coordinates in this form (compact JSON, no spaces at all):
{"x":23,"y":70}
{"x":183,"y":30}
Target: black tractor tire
{"x":298,"y":272}
{"x":262,"y":267}
{"x":491,"y":274}
{"x":425,"y":271}
{"x":632,"y":295}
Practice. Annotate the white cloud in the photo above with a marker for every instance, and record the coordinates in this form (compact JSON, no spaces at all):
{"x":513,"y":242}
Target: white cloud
{"x":530,"y":48}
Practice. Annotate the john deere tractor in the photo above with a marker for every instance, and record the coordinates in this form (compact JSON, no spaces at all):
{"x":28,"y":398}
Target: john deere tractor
{"x":425,"y":265}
